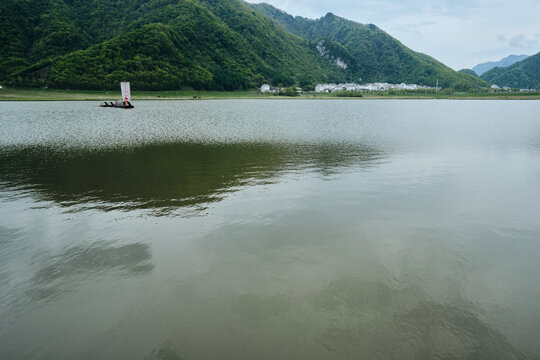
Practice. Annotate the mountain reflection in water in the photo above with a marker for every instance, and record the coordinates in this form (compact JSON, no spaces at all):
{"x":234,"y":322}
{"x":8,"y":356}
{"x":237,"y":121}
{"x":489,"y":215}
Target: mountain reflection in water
{"x":165,"y":177}
{"x":270,"y":230}
{"x":83,"y":262}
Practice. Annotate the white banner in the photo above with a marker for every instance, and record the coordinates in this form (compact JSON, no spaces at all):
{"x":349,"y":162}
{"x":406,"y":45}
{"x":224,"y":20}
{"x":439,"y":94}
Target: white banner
{"x":126,"y":91}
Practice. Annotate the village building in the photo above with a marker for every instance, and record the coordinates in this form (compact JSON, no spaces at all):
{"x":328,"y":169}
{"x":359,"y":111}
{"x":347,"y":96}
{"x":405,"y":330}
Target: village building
{"x":265,"y":88}
{"x":368,"y":87}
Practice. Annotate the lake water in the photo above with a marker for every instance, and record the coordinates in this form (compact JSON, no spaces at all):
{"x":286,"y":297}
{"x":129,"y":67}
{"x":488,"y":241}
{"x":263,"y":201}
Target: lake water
{"x":248,"y":229}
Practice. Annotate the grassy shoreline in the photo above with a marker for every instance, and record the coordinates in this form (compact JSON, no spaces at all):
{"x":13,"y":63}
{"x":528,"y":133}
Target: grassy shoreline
{"x":91,"y":95}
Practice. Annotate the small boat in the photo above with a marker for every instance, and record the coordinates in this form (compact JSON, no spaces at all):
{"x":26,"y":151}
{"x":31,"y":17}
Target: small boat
{"x":122,"y":104}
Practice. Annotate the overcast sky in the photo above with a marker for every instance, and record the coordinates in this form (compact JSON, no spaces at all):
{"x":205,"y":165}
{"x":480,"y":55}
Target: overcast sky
{"x":460,"y":33}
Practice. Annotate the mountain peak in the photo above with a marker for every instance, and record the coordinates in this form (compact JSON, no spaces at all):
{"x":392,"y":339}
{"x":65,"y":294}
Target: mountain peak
{"x":372,"y":54}
{"x":521,"y":74}
{"x":170,"y":45}
{"x":507,"y":61}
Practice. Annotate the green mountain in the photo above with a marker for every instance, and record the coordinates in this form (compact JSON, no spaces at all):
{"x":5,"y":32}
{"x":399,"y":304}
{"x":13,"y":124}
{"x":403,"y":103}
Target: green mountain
{"x":523,"y":74}
{"x":378,"y":56}
{"x":468,"y":72}
{"x":203,"y":44}
{"x":507,"y":61}
{"x":157,"y":45}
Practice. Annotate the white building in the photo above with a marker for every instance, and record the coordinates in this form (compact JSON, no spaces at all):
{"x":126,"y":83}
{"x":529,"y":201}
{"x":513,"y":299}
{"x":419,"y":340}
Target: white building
{"x":369,"y":87}
{"x":265,"y":88}
{"x":319,"y":88}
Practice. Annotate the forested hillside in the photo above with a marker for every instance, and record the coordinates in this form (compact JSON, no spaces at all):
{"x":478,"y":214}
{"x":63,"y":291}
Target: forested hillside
{"x":157,"y":45}
{"x":379,"y":57}
{"x":468,"y":72}
{"x":507,"y":61}
{"x":203,"y":44}
{"x":523,"y":74}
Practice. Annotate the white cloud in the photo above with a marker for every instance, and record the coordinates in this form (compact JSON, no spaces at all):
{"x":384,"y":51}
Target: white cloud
{"x":521,"y":41}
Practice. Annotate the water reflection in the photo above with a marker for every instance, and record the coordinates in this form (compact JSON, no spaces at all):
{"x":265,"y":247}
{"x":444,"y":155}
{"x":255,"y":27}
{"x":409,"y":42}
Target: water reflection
{"x":349,"y":317}
{"x":166,"y":352}
{"x":7,"y":234}
{"x":79,"y":263}
{"x":164,"y":177}
{"x":329,"y":249}
{"x":401,"y":323}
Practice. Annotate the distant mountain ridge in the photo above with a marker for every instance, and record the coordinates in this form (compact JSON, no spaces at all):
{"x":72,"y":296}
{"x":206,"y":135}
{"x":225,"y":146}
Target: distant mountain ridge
{"x":378,"y":56}
{"x":523,"y":74}
{"x":202,"y":44}
{"x":507,"y":61}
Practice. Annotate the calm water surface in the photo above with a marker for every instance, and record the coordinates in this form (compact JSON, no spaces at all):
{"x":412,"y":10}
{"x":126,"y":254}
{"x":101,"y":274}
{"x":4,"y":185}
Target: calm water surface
{"x":270,"y":230}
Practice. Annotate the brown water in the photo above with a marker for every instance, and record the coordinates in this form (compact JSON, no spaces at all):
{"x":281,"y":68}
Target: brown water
{"x":270,"y":230}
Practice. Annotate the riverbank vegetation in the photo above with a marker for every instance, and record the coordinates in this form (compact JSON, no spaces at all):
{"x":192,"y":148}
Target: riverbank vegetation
{"x":19,"y":94}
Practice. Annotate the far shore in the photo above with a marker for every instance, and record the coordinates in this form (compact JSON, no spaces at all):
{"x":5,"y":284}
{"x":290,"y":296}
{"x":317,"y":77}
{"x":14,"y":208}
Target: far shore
{"x":14,"y":94}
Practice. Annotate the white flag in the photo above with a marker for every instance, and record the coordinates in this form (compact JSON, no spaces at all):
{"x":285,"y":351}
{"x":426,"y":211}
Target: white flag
{"x":126,"y":91}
